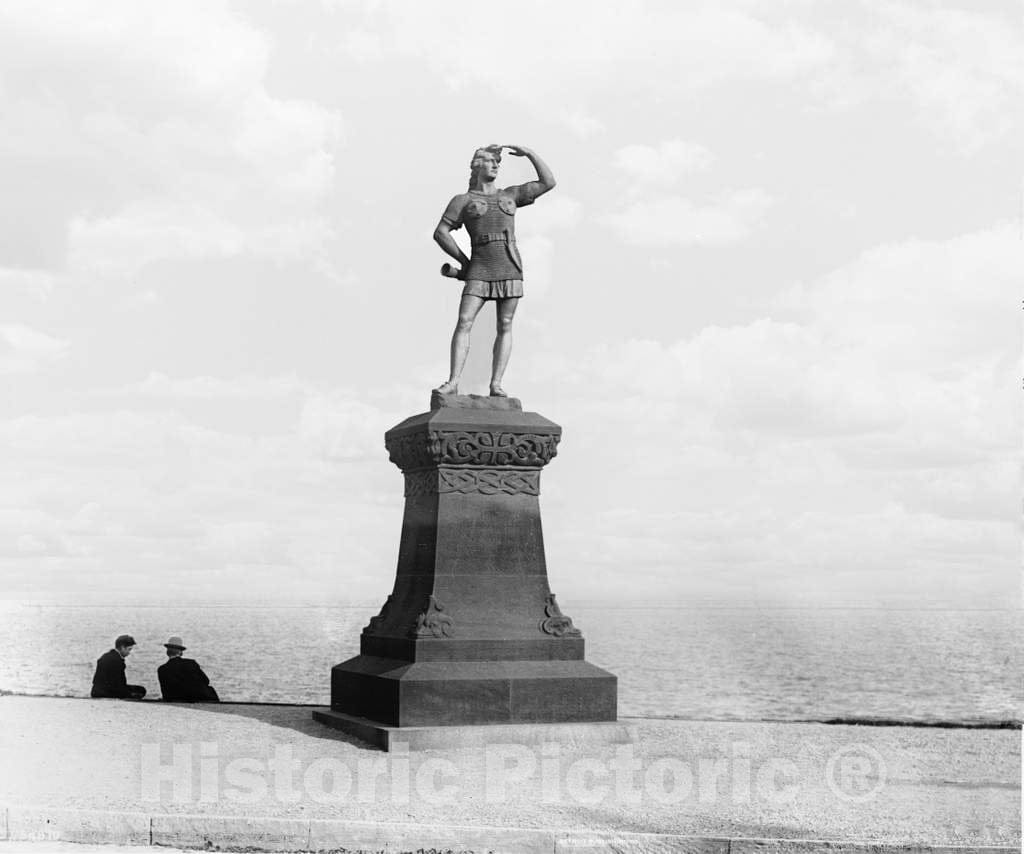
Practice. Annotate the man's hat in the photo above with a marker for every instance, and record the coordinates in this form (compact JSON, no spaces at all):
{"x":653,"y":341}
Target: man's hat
{"x":124,"y":640}
{"x":175,"y":643}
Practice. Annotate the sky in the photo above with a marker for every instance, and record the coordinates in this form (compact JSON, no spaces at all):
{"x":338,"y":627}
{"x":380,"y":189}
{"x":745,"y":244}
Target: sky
{"x":774,"y":300}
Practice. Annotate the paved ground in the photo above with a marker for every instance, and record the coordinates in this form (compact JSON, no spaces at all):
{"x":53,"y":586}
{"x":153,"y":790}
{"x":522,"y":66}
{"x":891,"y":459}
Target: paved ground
{"x":22,"y":847}
{"x":938,"y":787}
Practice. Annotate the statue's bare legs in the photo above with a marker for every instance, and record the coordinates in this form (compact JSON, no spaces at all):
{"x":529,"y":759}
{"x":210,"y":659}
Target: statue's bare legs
{"x":502,"y":343}
{"x":469,"y":308}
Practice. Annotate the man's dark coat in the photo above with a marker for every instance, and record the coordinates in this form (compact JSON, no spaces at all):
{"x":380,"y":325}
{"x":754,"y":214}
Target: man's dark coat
{"x":110,"y":680}
{"x":182,"y":681}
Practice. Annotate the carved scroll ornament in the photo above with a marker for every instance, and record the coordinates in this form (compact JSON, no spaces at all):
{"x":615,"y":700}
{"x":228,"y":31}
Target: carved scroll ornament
{"x":433,"y":622}
{"x":556,"y":623}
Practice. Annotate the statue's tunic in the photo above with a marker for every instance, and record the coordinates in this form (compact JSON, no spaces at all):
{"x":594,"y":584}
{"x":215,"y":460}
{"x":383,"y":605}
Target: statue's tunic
{"x":495,"y":269}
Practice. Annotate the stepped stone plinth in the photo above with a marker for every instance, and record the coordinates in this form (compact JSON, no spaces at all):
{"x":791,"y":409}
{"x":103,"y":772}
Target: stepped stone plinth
{"x":471,"y":633}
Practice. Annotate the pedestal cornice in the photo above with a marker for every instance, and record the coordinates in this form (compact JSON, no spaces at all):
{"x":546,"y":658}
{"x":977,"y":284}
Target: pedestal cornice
{"x":473,"y":438}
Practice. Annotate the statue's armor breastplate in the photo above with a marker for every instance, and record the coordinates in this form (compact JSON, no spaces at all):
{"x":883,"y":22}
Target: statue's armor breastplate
{"x":490,"y":221}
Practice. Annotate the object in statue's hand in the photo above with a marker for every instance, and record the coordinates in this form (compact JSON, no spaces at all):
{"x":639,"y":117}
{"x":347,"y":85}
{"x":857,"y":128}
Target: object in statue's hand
{"x":451,"y":271}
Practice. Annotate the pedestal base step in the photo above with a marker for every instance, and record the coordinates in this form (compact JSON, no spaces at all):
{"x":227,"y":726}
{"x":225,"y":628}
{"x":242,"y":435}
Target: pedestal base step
{"x":456,"y":693}
{"x":444,"y":737}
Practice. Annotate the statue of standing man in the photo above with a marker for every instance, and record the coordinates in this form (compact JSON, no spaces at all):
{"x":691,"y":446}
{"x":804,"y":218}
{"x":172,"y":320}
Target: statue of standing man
{"x":495,"y":270}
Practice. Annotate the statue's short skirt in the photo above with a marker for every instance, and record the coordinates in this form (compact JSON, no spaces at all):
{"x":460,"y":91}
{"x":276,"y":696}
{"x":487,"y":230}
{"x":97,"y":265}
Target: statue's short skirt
{"x":504,"y":289}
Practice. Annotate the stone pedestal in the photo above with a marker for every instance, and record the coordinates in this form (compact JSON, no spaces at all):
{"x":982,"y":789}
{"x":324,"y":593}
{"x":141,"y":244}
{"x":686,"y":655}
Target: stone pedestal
{"x":471,"y":633}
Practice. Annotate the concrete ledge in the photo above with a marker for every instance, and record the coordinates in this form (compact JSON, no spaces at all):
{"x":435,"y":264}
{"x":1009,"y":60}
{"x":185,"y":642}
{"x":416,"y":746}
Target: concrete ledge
{"x":374,"y":837}
{"x":447,"y":737}
{"x":642,"y":843}
{"x":211,"y":831}
{"x":38,"y":824}
{"x":812,"y":846}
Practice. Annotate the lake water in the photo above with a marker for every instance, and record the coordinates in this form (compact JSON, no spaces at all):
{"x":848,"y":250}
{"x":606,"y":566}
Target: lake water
{"x":729,"y":664}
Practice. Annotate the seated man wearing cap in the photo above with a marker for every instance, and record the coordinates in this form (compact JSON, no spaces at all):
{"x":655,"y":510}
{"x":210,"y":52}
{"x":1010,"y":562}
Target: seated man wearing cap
{"x":182,"y":679}
{"x":110,"y":680}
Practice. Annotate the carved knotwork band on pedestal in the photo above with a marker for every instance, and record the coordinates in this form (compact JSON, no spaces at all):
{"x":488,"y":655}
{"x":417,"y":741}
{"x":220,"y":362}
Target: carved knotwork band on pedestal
{"x":485,"y":448}
{"x":469,"y":481}
{"x":484,"y":462}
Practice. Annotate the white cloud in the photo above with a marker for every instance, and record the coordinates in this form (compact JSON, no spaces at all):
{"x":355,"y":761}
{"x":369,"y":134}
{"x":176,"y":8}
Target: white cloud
{"x":934,"y":307}
{"x":664,"y":46}
{"x":25,"y":350}
{"x":166,"y":137}
{"x":675,"y":221}
{"x":122,"y":497}
{"x":362,"y":46}
{"x":863,"y":448}
{"x":151,"y":230}
{"x":338,"y":426}
{"x":857,"y":432}
{"x":965,"y":69}
{"x":550,"y":213}
{"x":662,"y":164}
{"x":960,"y":70}
{"x":795,"y":457}
{"x":582,"y":123}
{"x":539,"y":254}
{"x":158,"y":384}
{"x":37,"y":284}
{"x":143,"y":232}
{"x":247,"y":542}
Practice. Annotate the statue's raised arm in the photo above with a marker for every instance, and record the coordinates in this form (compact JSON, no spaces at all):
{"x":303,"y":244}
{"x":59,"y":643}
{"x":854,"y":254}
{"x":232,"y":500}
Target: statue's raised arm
{"x":494,"y":270}
{"x":545,"y":177}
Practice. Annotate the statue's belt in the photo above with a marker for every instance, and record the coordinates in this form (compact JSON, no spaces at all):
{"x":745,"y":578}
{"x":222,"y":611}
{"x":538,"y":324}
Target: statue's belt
{"x":494,"y":237}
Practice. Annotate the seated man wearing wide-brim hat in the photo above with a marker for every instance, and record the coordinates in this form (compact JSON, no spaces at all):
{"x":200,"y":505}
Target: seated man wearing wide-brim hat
{"x":182,"y":679}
